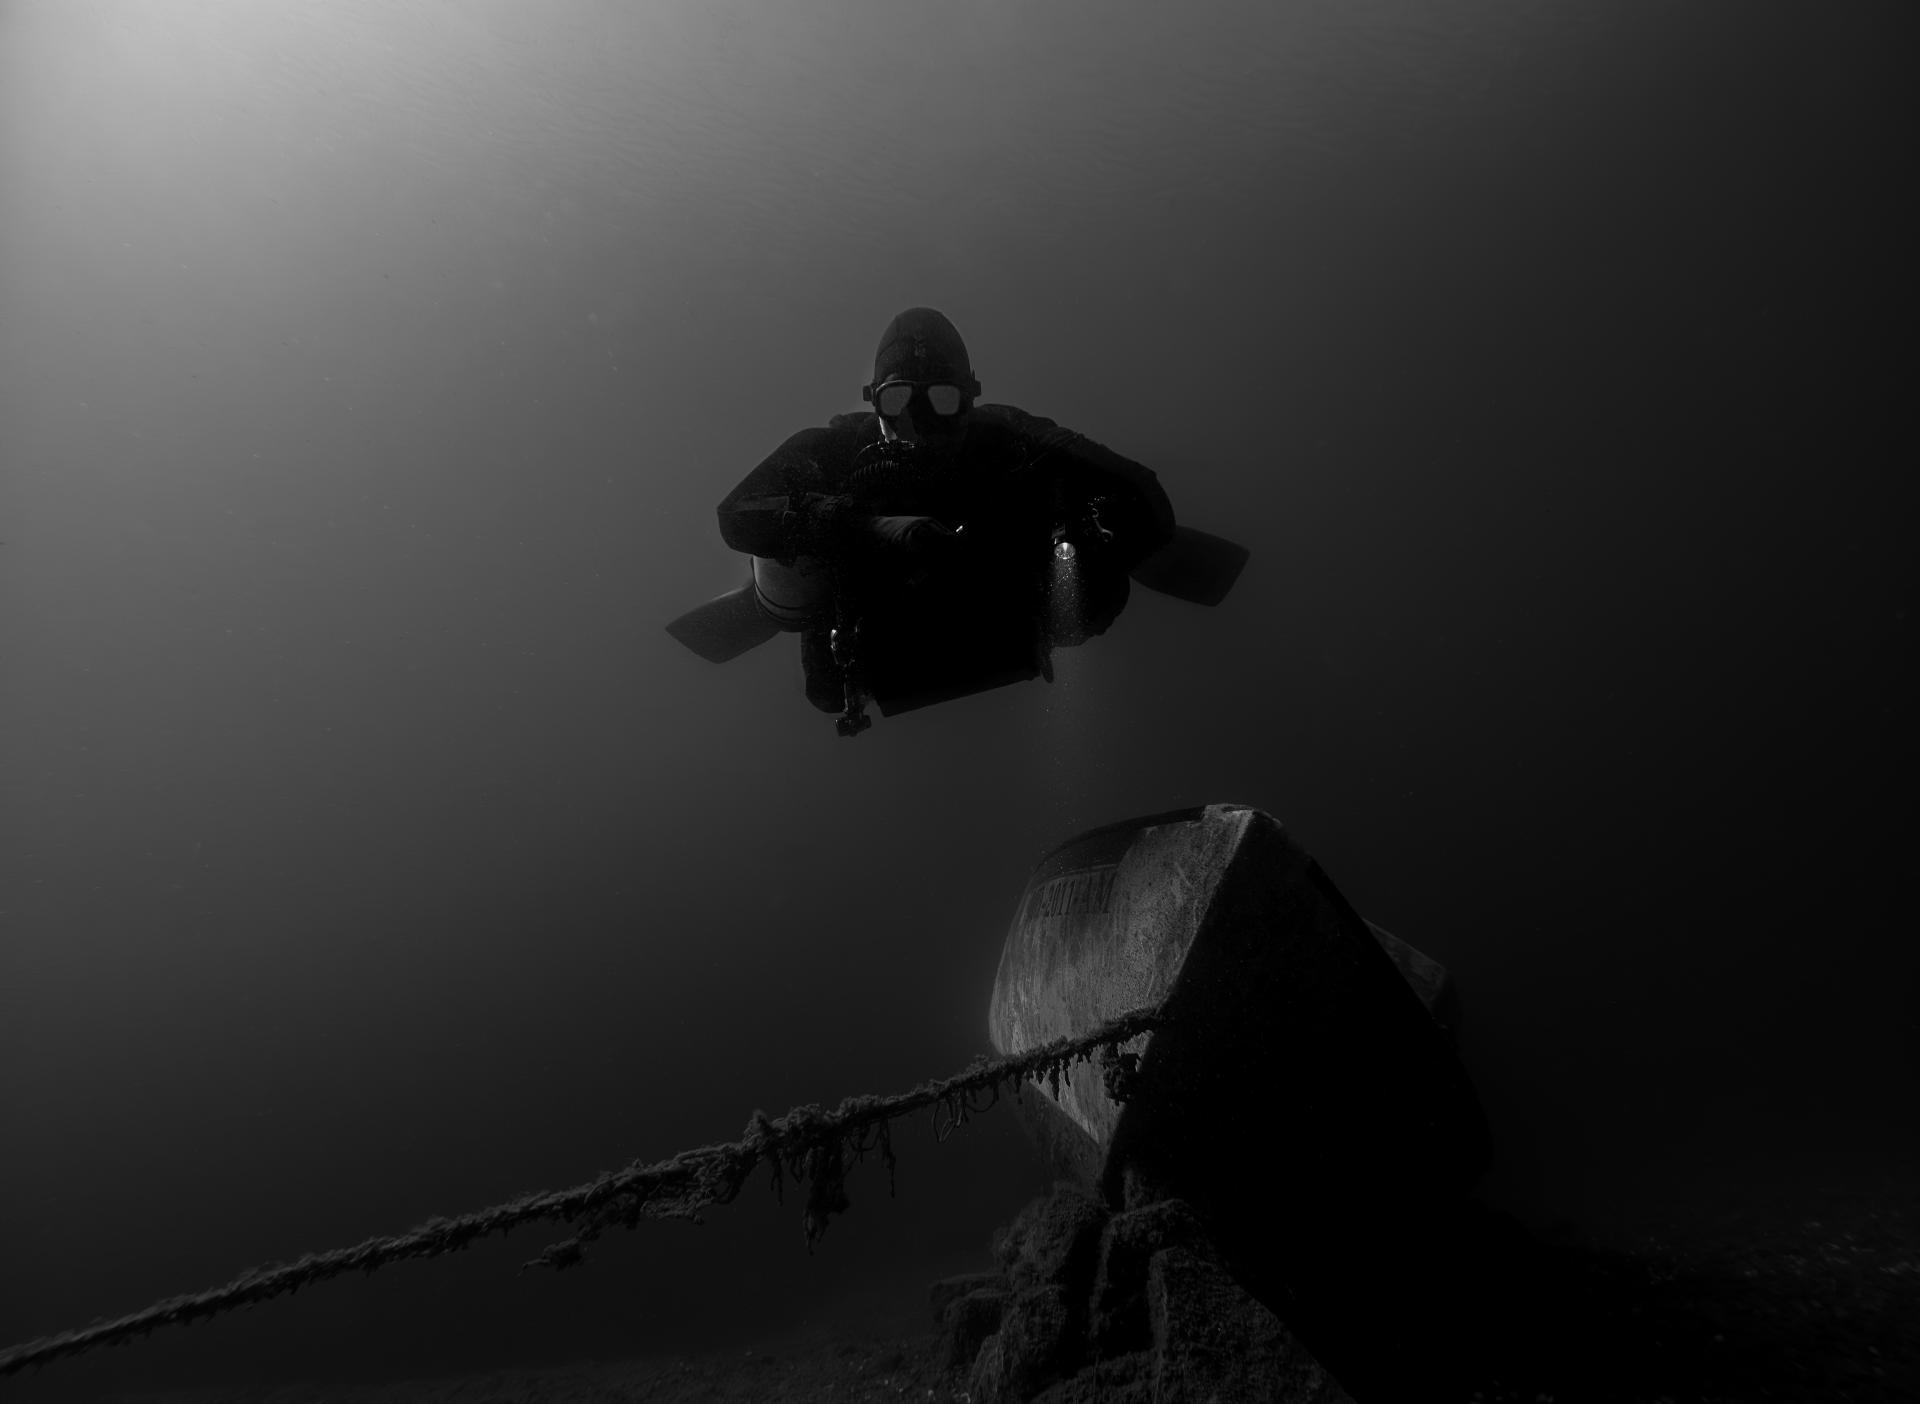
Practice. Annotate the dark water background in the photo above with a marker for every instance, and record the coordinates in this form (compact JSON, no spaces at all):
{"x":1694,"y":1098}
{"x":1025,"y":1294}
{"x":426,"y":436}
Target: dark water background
{"x":368,"y":375}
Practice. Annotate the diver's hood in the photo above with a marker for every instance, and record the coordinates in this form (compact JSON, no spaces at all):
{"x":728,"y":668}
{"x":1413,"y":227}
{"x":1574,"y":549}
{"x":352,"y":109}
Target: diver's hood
{"x":922,"y":345}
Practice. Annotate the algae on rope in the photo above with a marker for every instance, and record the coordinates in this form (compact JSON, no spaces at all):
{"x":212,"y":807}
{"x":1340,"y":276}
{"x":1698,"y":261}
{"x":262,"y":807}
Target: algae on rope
{"x":811,"y":1145}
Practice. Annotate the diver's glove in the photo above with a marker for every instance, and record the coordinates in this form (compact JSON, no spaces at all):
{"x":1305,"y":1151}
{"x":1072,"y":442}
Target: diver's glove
{"x":911,"y":535}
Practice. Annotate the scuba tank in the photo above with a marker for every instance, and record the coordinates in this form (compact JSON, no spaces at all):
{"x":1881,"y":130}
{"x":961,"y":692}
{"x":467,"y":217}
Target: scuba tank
{"x":793,"y":594}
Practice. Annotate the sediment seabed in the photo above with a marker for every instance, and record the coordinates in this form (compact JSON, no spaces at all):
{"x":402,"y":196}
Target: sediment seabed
{"x":1810,"y":1297}
{"x":1813,"y":1299}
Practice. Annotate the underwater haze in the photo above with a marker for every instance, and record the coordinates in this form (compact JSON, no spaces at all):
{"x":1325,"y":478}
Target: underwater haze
{"x":369,"y":375}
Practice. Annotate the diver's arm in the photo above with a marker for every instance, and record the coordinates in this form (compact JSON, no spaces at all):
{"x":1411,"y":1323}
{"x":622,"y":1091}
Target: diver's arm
{"x":1075,"y":471}
{"x":788,"y":506}
{"x":1130,"y":501}
{"x":1111,"y":509}
{"x":788,"y":516}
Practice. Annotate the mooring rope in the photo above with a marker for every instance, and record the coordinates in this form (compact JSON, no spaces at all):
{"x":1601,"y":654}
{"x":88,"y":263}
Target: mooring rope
{"x":808,"y":1143}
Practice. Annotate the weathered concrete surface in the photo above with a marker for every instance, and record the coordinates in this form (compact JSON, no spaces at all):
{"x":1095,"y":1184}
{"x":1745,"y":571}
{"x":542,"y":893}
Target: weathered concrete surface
{"x":1428,"y":978}
{"x":1303,"y":1082}
{"x":1104,"y":927}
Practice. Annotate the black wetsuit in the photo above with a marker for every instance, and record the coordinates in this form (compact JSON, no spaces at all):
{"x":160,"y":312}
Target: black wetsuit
{"x":971,"y":614}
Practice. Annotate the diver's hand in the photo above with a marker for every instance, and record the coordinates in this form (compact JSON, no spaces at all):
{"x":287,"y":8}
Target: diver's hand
{"x":912,"y":535}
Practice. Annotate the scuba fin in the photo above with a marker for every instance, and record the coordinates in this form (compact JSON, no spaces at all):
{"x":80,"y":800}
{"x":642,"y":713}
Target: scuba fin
{"x":1195,"y":566}
{"x":725,"y":627}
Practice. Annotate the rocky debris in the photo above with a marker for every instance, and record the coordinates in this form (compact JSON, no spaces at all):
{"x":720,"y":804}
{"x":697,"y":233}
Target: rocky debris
{"x":949,"y":1290}
{"x":1134,"y":1307}
{"x":1037,"y":1343}
{"x":1119,"y":1320}
{"x":1127,"y":1379}
{"x":1054,"y":1240}
{"x":969,"y":1309}
{"x":1211,"y":1340}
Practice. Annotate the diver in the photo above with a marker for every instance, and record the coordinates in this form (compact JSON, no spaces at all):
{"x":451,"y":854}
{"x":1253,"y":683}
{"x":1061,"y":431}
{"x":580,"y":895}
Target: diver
{"x":938,"y":546}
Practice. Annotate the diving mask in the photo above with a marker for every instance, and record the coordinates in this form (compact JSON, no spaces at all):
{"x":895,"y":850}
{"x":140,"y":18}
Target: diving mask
{"x":894,"y":398}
